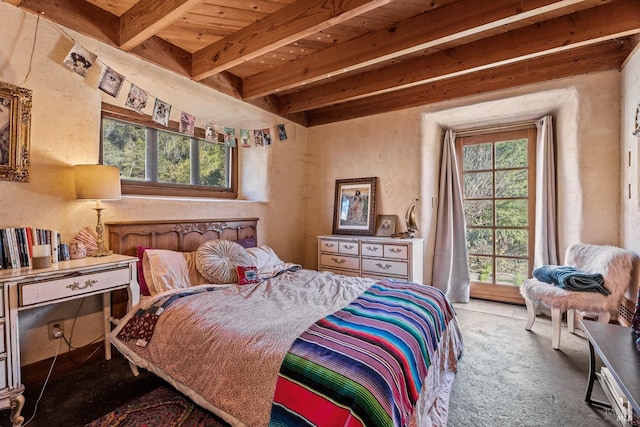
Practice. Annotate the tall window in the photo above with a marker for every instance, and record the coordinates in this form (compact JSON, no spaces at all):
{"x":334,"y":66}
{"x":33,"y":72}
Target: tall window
{"x":155,"y":160}
{"x":498,"y":179}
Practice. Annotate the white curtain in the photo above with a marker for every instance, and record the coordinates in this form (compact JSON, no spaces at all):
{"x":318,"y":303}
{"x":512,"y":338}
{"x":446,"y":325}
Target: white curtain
{"x":451,"y":261}
{"x":545,"y":252}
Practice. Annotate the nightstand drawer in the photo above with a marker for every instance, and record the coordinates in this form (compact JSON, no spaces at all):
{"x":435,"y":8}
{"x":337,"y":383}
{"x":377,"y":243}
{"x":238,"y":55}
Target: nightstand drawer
{"x":396,"y":251}
{"x":50,"y":290}
{"x":372,"y":249}
{"x":384,"y":267}
{"x":338,"y":261}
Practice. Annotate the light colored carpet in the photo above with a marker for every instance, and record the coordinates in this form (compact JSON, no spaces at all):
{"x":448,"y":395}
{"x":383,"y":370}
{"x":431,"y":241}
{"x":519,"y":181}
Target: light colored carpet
{"x":512,"y":377}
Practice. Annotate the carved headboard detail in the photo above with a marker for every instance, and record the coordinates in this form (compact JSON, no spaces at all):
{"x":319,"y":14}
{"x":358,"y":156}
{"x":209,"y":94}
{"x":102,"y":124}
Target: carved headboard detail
{"x":177,"y":235}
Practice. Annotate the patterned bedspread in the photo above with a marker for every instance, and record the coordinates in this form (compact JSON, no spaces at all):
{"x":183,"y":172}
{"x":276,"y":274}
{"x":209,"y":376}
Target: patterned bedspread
{"x":224,"y":349}
{"x":364,"y":364}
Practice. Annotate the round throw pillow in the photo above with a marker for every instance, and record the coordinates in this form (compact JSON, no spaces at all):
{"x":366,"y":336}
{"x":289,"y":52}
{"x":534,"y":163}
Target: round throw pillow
{"x":216,"y":260}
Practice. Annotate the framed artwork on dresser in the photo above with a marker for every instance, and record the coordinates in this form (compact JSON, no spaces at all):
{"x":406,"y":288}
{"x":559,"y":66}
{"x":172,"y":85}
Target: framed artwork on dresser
{"x":354,"y":209}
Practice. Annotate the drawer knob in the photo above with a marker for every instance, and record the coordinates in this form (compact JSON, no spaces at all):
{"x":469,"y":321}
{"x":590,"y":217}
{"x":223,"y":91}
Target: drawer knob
{"x":75,"y":286}
{"x":373,"y":248}
{"x":384,"y":267}
{"x":338,"y":260}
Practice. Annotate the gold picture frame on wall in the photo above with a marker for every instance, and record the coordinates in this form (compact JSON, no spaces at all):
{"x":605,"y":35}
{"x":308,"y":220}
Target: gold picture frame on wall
{"x":15,"y":128}
{"x":354,"y":209}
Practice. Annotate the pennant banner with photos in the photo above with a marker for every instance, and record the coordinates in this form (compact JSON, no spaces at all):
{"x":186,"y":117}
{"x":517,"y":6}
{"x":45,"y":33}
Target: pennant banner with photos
{"x":80,"y":61}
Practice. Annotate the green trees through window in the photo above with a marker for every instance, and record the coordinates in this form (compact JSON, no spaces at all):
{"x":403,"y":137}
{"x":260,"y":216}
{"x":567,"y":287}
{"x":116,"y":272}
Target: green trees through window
{"x":157,"y":161}
{"x":498,"y":199}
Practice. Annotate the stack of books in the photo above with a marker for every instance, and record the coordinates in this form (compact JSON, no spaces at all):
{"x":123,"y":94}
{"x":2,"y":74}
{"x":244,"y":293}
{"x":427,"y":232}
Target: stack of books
{"x":16,"y":245}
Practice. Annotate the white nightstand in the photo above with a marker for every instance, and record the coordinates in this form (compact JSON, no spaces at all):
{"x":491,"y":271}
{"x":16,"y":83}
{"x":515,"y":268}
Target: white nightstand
{"x":27,"y":288}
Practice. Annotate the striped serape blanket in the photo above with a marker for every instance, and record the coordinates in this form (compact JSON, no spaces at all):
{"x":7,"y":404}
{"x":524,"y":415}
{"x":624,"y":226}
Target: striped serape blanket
{"x":365,"y":364}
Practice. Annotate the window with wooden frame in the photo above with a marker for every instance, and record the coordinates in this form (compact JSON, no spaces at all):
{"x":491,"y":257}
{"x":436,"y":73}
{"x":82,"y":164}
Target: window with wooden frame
{"x":498,"y":179}
{"x":157,"y":160}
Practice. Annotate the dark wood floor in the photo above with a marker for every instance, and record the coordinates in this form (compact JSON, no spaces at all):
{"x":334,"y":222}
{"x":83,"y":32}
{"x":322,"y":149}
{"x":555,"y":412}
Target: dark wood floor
{"x":84,"y":395}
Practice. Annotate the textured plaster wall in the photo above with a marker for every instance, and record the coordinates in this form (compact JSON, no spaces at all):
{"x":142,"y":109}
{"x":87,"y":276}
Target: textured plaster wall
{"x":403,"y":149}
{"x":630,"y":155}
{"x":66,"y":129}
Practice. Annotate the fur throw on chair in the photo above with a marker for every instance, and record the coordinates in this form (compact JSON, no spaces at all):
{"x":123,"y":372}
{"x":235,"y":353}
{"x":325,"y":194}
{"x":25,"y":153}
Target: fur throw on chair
{"x":615,"y":265}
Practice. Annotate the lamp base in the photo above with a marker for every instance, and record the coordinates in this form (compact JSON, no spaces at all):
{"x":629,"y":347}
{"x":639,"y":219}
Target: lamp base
{"x":102,"y":251}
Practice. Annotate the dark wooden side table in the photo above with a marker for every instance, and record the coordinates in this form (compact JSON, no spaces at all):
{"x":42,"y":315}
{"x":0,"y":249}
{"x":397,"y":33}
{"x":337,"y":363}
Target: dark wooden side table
{"x":615,"y":345}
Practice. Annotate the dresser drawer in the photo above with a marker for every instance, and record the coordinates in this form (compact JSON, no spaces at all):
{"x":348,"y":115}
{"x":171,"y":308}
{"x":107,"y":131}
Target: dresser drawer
{"x":50,"y":290}
{"x":329,"y":246}
{"x":349,"y":248}
{"x":339,"y":261}
{"x":352,"y":273}
{"x":2,"y":337}
{"x":372,"y":249}
{"x":3,"y":372}
{"x":380,"y":266}
{"x":396,"y":251}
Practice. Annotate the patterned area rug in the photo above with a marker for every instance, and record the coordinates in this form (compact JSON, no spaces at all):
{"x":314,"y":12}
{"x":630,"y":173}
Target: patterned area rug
{"x":162,"y":407}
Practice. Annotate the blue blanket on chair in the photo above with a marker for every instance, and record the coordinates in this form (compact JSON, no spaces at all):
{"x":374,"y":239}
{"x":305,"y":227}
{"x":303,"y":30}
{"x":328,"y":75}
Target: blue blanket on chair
{"x":571,"y":279}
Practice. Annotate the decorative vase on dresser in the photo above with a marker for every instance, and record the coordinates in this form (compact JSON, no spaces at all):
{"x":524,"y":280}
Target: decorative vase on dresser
{"x":373,"y":257}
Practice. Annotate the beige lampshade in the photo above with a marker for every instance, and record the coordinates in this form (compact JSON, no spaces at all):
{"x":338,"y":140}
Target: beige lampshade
{"x":97,"y":182}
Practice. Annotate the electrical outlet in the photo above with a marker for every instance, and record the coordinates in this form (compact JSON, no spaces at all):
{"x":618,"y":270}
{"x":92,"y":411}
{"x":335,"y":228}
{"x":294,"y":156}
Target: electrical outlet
{"x":55,"y":328}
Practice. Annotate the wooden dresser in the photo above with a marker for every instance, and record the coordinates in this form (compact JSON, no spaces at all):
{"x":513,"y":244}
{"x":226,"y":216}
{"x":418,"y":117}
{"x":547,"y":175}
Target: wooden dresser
{"x":373,"y":257}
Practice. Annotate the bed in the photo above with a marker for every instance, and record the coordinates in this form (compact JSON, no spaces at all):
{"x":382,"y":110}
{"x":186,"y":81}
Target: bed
{"x":287,"y":346}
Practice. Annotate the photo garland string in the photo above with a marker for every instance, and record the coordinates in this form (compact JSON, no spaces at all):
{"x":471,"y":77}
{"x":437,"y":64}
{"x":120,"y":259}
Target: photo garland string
{"x":80,"y":61}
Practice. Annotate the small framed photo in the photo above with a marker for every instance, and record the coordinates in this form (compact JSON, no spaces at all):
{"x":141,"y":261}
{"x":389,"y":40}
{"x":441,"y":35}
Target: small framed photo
{"x":111,"y":82}
{"x":355,"y":206}
{"x":386,"y":225}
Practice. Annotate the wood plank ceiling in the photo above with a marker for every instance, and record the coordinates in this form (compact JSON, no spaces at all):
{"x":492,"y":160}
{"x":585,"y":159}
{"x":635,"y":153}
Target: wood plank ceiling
{"x":322,"y":61}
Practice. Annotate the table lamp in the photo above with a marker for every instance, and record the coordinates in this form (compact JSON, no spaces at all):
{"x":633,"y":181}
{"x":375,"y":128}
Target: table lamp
{"x":98,"y":182}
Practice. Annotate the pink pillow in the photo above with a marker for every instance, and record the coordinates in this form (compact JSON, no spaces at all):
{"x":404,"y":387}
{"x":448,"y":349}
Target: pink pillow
{"x":144,"y":289}
{"x":247,"y":275}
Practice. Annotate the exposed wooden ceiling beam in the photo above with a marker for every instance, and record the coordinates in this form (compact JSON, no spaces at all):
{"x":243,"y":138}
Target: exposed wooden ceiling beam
{"x":147,"y":17}
{"x":451,"y":22}
{"x":601,"y":57}
{"x":80,"y":16}
{"x":293,"y":22}
{"x":590,"y":26}
{"x":164,"y":54}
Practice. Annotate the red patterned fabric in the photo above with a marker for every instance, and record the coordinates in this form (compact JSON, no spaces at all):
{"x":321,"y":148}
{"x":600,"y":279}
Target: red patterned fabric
{"x":247,"y":275}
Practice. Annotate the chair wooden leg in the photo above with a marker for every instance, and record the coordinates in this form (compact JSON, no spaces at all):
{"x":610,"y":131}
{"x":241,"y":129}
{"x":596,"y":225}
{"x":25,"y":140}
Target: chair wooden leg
{"x":532,"y":307}
{"x":556,"y":324}
{"x":571,"y":320}
{"x":604,"y":317}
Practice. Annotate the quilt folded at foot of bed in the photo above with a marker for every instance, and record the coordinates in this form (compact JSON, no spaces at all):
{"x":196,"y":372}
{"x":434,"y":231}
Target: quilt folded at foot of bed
{"x":364,"y":364}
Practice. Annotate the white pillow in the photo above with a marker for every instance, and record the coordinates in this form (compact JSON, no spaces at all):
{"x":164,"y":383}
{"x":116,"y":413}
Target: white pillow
{"x":165,"y":269}
{"x":217,"y":260}
{"x":268,"y":263}
{"x":264,"y":257}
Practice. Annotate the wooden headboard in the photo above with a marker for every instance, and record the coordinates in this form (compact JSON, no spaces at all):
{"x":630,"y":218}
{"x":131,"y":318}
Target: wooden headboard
{"x":177,"y":235}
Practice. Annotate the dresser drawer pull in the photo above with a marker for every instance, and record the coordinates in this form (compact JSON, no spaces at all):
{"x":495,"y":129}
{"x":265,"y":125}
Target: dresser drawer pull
{"x":330,"y":245}
{"x":395,"y":250}
{"x":349,"y":246}
{"x":75,"y":286}
{"x":373,"y":248}
{"x":384,"y":267}
{"x":338,"y":260}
